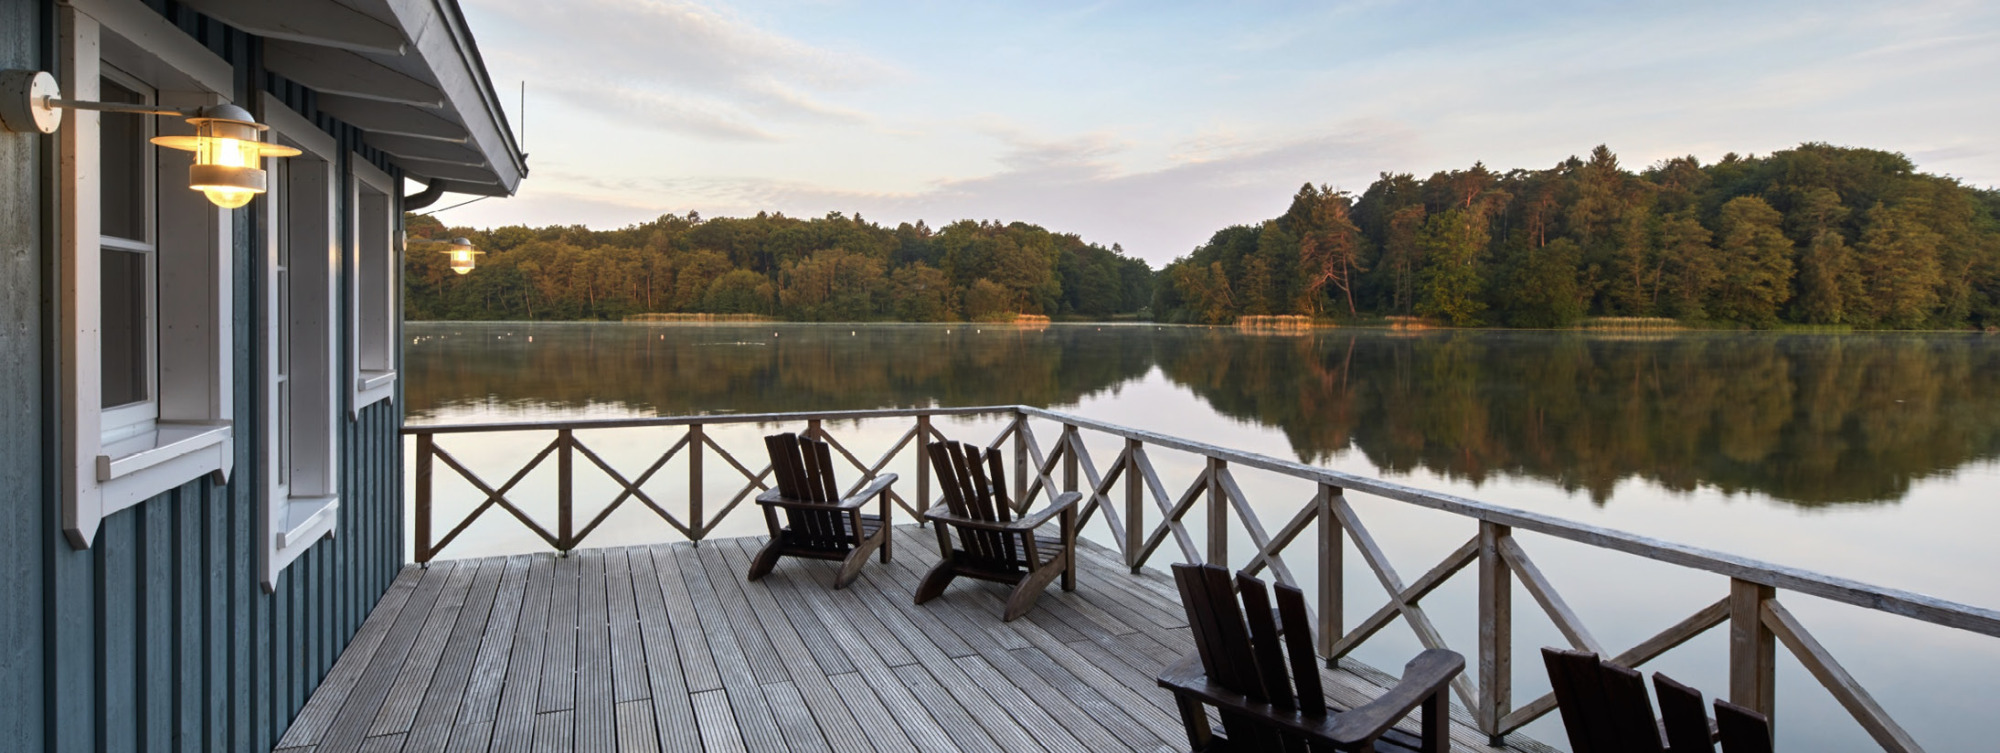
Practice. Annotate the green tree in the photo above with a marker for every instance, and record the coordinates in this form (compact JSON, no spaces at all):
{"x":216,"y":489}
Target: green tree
{"x":740,"y":291}
{"x":1899,"y":265}
{"x":1452,"y":281}
{"x":1756,"y":262}
{"x":922,"y":294}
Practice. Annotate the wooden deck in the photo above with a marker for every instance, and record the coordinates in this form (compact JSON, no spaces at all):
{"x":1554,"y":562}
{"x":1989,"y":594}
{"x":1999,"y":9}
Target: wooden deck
{"x":667,"y":648}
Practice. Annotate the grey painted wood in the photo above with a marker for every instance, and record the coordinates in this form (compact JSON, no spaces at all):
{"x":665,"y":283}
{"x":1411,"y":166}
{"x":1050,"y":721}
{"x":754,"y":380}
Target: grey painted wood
{"x":1093,"y":691}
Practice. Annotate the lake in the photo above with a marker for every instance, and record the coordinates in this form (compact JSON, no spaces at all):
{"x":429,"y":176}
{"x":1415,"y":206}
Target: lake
{"x":1872,"y":457}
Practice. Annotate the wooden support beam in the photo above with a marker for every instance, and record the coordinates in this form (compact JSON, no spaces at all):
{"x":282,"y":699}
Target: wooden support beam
{"x":1827,"y":670}
{"x":1496,"y":631}
{"x":1332,"y":571}
{"x":1752,"y":649}
{"x":321,"y":22}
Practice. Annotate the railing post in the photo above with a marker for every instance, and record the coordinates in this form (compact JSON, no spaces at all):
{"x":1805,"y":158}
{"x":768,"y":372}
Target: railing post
{"x":565,"y":492}
{"x":1332,"y":571}
{"x":1021,"y":458}
{"x":1218,"y":515}
{"x":1753,"y":649}
{"x":923,"y":466}
{"x":1496,"y":633}
{"x":695,"y":443}
{"x":1069,"y":442}
{"x":424,"y":553}
{"x":1135,"y":507}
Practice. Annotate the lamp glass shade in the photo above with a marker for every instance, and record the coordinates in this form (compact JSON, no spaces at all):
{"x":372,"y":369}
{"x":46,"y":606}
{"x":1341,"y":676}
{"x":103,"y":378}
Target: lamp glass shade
{"x":463,"y":255}
{"x":228,"y":155}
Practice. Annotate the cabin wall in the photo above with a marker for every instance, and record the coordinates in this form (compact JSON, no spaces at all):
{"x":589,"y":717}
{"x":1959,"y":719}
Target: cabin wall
{"x":24,"y":504}
{"x":160,"y":637}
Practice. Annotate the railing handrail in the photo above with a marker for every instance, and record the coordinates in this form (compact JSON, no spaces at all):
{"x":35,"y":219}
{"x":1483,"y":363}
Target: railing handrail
{"x":1880,"y":598}
{"x":1831,"y":587}
{"x":706,"y":418}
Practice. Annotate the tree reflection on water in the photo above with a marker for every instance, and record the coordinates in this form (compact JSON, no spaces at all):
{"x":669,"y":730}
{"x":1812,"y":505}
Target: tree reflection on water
{"x":1810,"y":420}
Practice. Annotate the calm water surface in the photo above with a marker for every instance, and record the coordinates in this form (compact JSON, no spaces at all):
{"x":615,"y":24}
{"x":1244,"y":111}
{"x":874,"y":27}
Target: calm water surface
{"x":1872,"y":457}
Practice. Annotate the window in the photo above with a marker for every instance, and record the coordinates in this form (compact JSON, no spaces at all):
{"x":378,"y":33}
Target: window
{"x":301,"y":396}
{"x":127,"y":262}
{"x":375,"y":306}
{"x":145,"y":340}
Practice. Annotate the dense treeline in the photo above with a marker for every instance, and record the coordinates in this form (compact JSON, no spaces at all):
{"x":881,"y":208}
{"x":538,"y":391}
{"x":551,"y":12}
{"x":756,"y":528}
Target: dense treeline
{"x":1813,"y":235}
{"x":834,"y":268}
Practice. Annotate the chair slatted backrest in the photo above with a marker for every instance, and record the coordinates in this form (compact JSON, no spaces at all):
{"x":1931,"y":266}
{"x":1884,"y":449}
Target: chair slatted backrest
{"x":1586,"y":713}
{"x":1631,"y":711}
{"x":1683,"y":715}
{"x":974,"y":486}
{"x":1243,"y":649}
{"x":804,"y":471}
{"x":1743,"y":729}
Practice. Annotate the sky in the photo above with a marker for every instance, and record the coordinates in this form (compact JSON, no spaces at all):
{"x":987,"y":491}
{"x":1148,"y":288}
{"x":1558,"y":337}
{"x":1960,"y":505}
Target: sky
{"x":1153,"y":124}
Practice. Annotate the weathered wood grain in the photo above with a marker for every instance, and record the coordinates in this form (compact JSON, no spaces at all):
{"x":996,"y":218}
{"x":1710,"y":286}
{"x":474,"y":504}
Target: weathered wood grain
{"x":1076,"y":675}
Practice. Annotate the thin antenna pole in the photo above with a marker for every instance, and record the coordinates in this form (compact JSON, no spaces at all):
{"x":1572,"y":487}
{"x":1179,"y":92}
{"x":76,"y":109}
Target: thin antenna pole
{"x":524,"y":115}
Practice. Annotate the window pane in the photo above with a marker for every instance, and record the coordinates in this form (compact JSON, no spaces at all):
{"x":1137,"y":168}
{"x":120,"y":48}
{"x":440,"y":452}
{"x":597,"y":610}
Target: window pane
{"x":122,"y":146}
{"x":123,"y":298}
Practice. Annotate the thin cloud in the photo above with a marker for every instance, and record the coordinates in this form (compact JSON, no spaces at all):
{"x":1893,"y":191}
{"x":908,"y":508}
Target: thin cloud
{"x":678,"y":66}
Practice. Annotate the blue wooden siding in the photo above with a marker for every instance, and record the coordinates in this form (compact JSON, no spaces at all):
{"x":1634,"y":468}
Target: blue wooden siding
{"x":159,"y":637}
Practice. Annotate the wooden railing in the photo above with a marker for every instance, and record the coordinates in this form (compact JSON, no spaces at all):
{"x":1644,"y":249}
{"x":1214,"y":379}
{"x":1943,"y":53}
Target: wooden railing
{"x":1143,"y":515}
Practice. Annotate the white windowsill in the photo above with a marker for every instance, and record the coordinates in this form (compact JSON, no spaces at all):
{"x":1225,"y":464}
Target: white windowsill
{"x":372,"y":387}
{"x":307,"y":519}
{"x":154,"y":448}
{"x":374,"y":380}
{"x":140,"y":468}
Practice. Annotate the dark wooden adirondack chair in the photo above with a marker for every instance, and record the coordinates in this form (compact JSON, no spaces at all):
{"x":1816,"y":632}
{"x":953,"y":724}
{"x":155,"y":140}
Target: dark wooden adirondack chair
{"x":1604,"y":706}
{"x":1743,"y":729}
{"x":1689,"y":729}
{"x":818,"y":523}
{"x":993,"y":544}
{"x":1241,"y":669}
{"x":1682,"y":717}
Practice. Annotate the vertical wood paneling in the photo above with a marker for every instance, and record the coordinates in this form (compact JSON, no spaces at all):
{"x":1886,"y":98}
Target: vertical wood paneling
{"x":115,"y":559}
{"x":160,"y":637}
{"x":25,"y":528}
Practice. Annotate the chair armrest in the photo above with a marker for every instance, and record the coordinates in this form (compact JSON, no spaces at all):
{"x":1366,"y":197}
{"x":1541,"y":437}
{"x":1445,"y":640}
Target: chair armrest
{"x":1425,"y":675}
{"x":1029,"y":523}
{"x":772,"y":498}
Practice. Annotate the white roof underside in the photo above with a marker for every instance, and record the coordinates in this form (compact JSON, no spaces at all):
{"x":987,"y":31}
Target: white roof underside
{"x":406,"y":72}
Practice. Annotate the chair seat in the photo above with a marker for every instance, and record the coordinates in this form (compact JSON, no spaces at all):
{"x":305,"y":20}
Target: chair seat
{"x":869,"y":525}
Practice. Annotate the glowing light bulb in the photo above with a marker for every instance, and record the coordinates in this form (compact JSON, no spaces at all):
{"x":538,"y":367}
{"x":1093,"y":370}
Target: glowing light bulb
{"x":228,"y":198}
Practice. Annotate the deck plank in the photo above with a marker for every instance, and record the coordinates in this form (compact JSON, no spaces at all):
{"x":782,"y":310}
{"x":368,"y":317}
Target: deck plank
{"x":828,"y":710}
{"x":666,"y":648}
{"x":673,"y":708}
{"x":559,"y":649}
{"x":349,"y":728}
{"x":513,"y":728}
{"x":759,"y":731}
{"x":439,"y":709}
{"x":596,"y":708}
{"x":312,"y":722}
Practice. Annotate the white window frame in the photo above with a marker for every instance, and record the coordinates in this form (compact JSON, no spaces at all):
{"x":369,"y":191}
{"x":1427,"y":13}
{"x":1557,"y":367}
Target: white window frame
{"x":300,"y":452}
{"x":190,"y":403}
{"x":374,"y":267}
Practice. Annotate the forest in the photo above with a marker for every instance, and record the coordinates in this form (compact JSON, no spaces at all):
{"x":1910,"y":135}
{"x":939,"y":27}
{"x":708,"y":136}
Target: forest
{"x":1817,"y":235}
{"x":832,"y":268}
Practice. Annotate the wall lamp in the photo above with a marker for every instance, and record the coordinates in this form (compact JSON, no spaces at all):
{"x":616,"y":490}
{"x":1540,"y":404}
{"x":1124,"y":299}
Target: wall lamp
{"x":463,"y":256}
{"x":227,"y":143}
